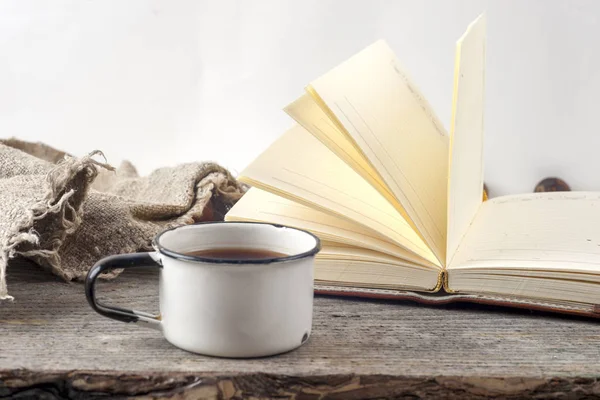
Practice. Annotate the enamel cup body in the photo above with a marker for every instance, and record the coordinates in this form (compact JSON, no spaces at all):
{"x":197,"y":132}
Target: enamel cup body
{"x":229,"y":308}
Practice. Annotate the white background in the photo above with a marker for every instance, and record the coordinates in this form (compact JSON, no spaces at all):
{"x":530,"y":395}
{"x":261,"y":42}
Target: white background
{"x":163,"y":82}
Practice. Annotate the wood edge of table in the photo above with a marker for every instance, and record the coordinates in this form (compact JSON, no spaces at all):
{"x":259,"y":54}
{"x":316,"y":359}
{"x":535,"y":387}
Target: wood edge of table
{"x":77,"y":384}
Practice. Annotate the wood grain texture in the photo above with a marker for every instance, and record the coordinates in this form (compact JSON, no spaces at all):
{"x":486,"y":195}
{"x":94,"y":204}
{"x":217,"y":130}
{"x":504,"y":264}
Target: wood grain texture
{"x":90,"y":384}
{"x":53,"y":345}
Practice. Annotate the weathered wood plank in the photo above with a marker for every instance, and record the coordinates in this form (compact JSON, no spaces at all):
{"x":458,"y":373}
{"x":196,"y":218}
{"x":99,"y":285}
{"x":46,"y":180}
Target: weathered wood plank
{"x":51,"y":340}
{"x":89,"y":384}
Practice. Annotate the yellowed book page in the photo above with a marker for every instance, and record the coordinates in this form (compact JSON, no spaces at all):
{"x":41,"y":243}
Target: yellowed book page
{"x":341,"y":253}
{"x":259,"y":205}
{"x":374,"y":275}
{"x":465,"y":186}
{"x":307,"y":113}
{"x":556,"y":231}
{"x":571,"y":288}
{"x":388,"y":118}
{"x":299,"y":167}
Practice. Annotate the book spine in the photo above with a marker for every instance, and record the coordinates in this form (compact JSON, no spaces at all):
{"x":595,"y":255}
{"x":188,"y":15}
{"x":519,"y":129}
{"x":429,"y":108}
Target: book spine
{"x":443,"y":282}
{"x":440,"y":283}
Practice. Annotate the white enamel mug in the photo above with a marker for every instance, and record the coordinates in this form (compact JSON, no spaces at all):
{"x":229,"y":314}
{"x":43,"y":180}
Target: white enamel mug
{"x":227,"y":308}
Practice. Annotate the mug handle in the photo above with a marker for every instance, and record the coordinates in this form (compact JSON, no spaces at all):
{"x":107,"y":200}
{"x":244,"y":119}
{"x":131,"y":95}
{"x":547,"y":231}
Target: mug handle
{"x":134,"y":260}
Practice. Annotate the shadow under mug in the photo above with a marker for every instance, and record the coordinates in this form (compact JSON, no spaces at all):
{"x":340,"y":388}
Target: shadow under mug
{"x":226,"y":308}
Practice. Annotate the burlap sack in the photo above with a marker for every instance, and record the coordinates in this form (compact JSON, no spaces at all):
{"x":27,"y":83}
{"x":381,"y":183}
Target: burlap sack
{"x":66,"y":213}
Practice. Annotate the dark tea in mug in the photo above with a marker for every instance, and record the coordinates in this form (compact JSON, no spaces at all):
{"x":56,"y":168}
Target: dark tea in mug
{"x":235,"y":253}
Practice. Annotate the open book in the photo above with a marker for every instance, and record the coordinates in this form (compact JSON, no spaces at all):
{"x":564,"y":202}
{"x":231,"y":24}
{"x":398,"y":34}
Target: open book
{"x":397,"y":201}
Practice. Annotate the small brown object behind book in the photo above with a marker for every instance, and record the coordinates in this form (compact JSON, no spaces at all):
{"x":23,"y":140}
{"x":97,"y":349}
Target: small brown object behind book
{"x":552,"y":185}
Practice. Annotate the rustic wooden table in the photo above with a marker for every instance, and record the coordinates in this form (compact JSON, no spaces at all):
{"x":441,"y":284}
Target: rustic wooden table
{"x":53,"y":346}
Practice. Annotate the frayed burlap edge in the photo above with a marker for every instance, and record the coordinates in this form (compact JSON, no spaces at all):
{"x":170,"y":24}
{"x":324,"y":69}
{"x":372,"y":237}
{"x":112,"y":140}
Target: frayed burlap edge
{"x":59,"y":199}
